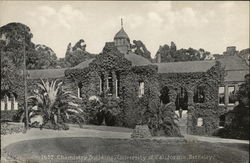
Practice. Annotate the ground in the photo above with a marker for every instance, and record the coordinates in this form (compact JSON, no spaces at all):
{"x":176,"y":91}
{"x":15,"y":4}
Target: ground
{"x":113,"y":144}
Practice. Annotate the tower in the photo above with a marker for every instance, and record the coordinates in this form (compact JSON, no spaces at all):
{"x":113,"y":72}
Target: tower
{"x":122,"y":41}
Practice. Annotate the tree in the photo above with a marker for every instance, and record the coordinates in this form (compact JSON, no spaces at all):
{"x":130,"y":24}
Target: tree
{"x":16,"y":36}
{"x":77,"y":54}
{"x":53,"y":105}
{"x":162,"y":118}
{"x":140,"y":49}
{"x":171,"y":54}
{"x":44,"y":58}
{"x":239,"y":126}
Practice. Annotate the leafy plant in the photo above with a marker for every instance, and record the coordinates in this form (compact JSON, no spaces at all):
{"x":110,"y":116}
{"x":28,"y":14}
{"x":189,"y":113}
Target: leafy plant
{"x":162,"y":118}
{"x":53,"y":104}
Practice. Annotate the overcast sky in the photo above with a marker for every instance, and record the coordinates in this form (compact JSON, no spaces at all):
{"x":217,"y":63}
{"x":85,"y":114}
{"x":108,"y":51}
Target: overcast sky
{"x":209,"y":25}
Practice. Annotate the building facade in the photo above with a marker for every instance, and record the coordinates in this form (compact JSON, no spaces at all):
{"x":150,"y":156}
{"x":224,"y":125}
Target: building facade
{"x":119,"y":73}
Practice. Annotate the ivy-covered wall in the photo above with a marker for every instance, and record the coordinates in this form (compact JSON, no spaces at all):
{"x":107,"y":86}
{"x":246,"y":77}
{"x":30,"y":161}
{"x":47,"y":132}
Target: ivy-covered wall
{"x":208,"y":110}
{"x":113,"y":62}
{"x":128,"y":88}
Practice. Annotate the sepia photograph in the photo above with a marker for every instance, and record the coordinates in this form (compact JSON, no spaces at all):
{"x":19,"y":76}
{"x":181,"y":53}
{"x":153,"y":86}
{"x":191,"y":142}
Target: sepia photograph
{"x":124,"y":81}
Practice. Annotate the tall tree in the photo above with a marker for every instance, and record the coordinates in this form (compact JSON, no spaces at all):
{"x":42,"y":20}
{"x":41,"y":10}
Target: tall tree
{"x":16,"y":36}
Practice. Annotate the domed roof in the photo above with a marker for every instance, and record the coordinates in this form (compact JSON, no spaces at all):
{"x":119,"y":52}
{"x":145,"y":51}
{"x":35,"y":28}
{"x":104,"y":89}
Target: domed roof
{"x":121,"y":34}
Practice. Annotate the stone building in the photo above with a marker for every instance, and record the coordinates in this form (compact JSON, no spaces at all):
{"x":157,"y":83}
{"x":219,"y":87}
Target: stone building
{"x":124,"y":75}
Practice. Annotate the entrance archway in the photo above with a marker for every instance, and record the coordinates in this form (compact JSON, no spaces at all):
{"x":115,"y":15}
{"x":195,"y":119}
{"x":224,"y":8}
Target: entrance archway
{"x":181,"y":101}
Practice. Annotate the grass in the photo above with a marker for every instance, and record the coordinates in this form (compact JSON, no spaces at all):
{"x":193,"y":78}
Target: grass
{"x":100,"y":150}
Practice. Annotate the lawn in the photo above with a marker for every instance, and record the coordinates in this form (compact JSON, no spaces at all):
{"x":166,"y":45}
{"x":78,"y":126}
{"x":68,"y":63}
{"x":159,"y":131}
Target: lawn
{"x":103,"y":128}
{"x":100,"y":150}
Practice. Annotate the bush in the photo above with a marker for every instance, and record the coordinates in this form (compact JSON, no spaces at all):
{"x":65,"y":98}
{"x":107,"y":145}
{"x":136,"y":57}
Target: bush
{"x":7,"y":128}
{"x":50,"y":125}
{"x":162,"y":120}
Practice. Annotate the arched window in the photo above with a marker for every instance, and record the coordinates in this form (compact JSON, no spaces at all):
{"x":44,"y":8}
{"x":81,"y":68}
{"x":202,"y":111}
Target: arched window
{"x":141,"y":89}
{"x":199,"y":94}
{"x":79,"y":90}
{"x":164,"y":97}
{"x":200,"y":122}
{"x":110,"y":84}
{"x":102,"y":83}
{"x":117,"y":87}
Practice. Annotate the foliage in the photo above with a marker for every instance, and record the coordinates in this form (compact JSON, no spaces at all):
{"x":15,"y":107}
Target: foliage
{"x":140,"y":49}
{"x":171,"y":54}
{"x":51,"y":102}
{"x":239,"y":126}
{"x":43,"y":58}
{"x":7,"y":128}
{"x":77,"y":54}
{"x":16,"y":37}
{"x":162,"y":118}
{"x":104,"y":109}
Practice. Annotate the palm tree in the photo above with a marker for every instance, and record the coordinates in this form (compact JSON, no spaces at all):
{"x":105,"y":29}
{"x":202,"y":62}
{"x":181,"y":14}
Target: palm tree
{"x":162,"y":118}
{"x":52,"y":103}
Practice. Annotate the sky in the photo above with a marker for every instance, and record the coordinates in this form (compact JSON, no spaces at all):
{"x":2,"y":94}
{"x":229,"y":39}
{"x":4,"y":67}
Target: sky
{"x":198,"y":24}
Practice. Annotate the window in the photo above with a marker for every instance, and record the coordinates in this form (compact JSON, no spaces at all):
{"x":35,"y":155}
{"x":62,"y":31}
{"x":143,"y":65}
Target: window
{"x":199,"y":122}
{"x":117,"y":83}
{"x":221,"y":95}
{"x":79,"y":92}
{"x":141,"y":89}
{"x":2,"y":105}
{"x":231,"y":92}
{"x":110,"y":84}
{"x":199,"y":95}
{"x":102,"y":84}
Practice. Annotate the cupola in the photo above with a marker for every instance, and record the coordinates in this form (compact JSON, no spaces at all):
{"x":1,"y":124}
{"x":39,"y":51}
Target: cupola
{"x":122,"y":41}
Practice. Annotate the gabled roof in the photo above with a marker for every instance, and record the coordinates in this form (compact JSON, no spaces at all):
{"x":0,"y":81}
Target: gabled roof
{"x":46,"y":73}
{"x":185,"y":67}
{"x":121,"y":34}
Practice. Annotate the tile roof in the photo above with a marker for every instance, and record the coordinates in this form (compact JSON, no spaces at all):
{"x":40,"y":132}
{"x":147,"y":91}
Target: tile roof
{"x":184,"y":67}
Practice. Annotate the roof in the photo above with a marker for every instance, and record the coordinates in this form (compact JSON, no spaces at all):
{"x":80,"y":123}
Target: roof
{"x":137,"y":60}
{"x":184,"y":67}
{"x":46,"y":73}
{"x":233,"y":62}
{"x":121,"y":34}
{"x":235,"y":75}
{"x":235,"y":66}
{"x":83,"y":64}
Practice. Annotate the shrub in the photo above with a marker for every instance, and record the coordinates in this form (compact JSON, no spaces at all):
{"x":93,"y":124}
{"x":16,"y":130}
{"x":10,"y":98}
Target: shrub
{"x":7,"y":128}
{"x":162,"y":120}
